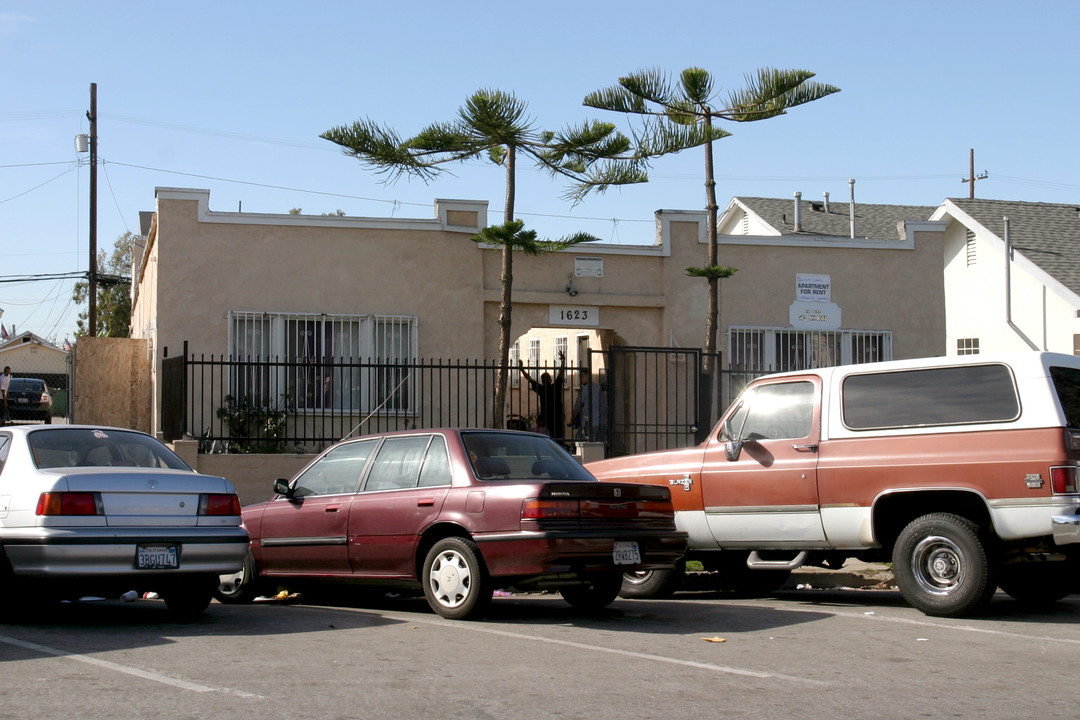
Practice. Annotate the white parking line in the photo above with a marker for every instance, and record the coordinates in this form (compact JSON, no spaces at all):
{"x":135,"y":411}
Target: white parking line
{"x":115,"y":667}
{"x":458,"y":625}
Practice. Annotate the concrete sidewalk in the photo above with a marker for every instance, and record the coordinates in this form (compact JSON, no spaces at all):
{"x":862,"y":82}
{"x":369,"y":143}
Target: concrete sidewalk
{"x":854,"y":574}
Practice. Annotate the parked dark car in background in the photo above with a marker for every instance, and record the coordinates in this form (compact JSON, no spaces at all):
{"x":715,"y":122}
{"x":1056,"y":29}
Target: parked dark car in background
{"x":29,"y":399}
{"x":459,"y":513}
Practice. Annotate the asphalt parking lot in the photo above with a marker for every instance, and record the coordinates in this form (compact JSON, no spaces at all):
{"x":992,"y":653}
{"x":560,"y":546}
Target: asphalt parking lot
{"x":806,"y":653}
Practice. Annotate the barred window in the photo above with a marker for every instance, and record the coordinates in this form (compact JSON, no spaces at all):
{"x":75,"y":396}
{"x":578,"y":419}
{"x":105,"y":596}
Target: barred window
{"x":561,"y":344}
{"x":781,"y":349}
{"x":348,"y":363}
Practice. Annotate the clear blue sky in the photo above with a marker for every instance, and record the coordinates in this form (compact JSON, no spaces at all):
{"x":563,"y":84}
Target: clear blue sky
{"x":232,"y":97}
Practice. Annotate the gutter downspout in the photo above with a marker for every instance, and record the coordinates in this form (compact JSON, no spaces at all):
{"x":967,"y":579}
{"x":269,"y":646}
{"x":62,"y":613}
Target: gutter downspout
{"x":851,"y":206}
{"x":1008,"y":291}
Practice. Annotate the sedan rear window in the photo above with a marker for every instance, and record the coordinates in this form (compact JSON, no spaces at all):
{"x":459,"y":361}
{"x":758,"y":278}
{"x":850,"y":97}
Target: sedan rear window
{"x":520,"y":456}
{"x":98,"y":447}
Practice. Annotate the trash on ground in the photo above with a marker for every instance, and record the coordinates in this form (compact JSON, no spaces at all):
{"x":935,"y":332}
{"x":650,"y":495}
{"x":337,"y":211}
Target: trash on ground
{"x":714,"y":639}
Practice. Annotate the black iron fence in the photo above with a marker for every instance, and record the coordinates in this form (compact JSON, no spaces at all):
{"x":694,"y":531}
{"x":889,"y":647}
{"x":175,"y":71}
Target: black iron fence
{"x":630,"y":399}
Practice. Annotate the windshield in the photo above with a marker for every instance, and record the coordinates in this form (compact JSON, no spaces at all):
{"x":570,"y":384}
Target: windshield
{"x":97,"y":447}
{"x":520,"y":456}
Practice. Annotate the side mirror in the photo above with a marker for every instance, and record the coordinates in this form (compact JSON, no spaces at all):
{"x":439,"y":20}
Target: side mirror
{"x":734,"y":449}
{"x":281,"y":487}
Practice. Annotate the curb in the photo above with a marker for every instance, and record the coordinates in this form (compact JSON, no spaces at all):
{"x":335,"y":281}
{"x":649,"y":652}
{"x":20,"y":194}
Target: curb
{"x":854,"y":575}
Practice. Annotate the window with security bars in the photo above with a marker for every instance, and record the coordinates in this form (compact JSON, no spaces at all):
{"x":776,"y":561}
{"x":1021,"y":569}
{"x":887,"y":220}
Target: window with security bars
{"x":533,"y":360}
{"x":560,"y":344}
{"x":347,"y":363}
{"x":515,"y":355}
{"x":781,"y":349}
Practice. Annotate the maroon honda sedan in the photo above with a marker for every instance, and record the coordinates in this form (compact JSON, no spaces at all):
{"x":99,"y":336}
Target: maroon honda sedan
{"x":458,"y":513}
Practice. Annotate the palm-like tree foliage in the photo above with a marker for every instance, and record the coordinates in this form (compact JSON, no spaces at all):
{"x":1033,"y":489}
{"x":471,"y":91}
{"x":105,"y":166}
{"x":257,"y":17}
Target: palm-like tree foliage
{"x":493,"y":125}
{"x":682,"y":114}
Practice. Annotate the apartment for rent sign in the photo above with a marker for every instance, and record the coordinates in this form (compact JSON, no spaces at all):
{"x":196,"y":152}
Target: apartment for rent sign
{"x":813,"y":287}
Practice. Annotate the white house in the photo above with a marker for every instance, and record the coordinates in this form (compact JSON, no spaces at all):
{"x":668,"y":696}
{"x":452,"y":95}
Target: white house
{"x":1012,"y":276}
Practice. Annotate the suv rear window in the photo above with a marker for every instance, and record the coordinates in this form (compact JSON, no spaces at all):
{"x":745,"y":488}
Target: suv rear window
{"x":933,"y":396}
{"x":1067,"y":384}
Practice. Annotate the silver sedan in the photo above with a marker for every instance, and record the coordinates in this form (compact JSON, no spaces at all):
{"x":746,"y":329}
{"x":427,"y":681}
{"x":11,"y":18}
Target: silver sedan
{"x":103,"y":511}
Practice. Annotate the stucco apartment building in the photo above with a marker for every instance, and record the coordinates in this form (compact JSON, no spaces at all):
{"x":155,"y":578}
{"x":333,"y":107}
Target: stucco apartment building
{"x":816,"y":284}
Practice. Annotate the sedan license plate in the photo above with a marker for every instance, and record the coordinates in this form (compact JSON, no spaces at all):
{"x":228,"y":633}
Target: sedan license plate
{"x":24,"y":401}
{"x":626,"y":553}
{"x":157,"y":557}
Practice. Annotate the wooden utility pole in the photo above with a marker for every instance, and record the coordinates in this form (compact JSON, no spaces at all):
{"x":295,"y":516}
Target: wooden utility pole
{"x":92,"y":273}
{"x":972,"y":177}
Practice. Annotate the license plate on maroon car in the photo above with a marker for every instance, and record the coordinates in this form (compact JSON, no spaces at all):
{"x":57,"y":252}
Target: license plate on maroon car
{"x":626,"y":553}
{"x":157,"y":557}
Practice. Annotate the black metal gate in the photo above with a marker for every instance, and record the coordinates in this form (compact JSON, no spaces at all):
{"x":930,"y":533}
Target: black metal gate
{"x":173,"y":386}
{"x":653,"y":397}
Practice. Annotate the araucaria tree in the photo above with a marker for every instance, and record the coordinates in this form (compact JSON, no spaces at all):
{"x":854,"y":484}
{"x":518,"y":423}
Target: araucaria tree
{"x":113,"y":292}
{"x":493,"y":126}
{"x":679,"y":115}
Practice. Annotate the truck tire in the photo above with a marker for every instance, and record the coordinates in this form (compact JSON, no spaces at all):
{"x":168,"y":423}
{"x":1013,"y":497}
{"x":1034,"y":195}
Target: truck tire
{"x":645,"y":584}
{"x":942,"y":566}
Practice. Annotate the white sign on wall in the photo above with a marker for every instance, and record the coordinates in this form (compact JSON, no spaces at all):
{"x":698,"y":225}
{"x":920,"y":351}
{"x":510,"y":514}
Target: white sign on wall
{"x":589,"y":267}
{"x":814,"y":316}
{"x":811,"y":287}
{"x":575,"y":315}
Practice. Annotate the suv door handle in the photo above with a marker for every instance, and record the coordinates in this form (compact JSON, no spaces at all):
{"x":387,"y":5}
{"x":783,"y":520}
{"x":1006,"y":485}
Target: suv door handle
{"x":805,"y":448}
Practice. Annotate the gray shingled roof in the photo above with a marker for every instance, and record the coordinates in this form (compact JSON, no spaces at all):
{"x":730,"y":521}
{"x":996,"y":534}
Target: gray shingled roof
{"x":1046,"y":234}
{"x":871,"y":221}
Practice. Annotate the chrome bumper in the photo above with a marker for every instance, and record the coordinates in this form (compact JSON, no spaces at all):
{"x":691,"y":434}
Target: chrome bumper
{"x":1066,"y":529}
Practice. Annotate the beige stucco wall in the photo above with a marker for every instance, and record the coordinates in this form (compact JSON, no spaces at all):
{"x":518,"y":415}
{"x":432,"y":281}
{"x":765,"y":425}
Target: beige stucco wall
{"x":112,"y":383}
{"x":202,"y":264}
{"x":253,"y":475}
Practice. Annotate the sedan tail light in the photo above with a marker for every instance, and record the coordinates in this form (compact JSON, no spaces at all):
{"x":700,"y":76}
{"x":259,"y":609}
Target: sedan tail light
{"x":541,"y":509}
{"x":546,"y":509}
{"x":70,"y":503}
{"x":219,"y":504}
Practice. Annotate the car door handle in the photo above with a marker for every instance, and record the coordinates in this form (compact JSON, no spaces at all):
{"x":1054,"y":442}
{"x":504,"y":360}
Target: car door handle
{"x":425,"y":502}
{"x":333,"y":508}
{"x":805,"y":448}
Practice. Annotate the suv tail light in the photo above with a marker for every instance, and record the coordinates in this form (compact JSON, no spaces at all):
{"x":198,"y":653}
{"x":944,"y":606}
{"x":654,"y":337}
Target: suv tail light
{"x":219,"y":504}
{"x":70,"y":503}
{"x":1063,"y":479}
